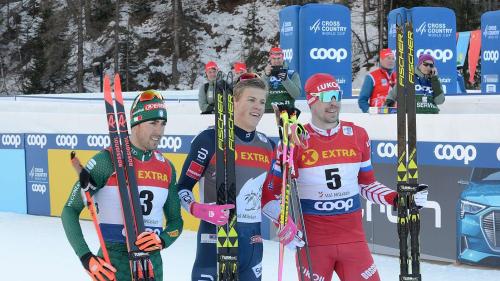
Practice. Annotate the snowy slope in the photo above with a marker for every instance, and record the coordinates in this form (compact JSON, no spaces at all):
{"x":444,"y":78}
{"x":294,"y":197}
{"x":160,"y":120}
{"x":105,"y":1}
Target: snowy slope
{"x":219,"y":34}
{"x":35,"y":248}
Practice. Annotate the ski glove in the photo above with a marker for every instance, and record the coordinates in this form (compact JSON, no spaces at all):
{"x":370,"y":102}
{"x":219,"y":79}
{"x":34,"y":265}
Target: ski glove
{"x":97,"y":268}
{"x":212,"y":213}
{"x":420,"y":196}
{"x":289,"y":235}
{"x":86,"y":181}
{"x":389,"y":103}
{"x":149,"y":241}
{"x":297,"y":242}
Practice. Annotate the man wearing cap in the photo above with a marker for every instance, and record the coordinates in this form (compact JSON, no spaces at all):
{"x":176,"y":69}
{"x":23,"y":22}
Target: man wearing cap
{"x":238,"y":69}
{"x":332,"y":174}
{"x":206,"y":92}
{"x":428,"y":90}
{"x":378,"y":82}
{"x":156,"y":180}
{"x":284,"y":84}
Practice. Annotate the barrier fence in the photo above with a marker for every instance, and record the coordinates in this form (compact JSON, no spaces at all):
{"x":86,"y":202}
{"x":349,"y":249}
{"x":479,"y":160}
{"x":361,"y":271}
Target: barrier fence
{"x":38,"y":178}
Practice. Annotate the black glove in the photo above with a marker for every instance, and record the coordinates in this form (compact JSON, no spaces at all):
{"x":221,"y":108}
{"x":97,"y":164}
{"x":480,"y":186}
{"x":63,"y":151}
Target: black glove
{"x":86,"y":181}
{"x":389,"y":103}
{"x":276,"y":70}
{"x":282,"y":76}
{"x":97,"y":268}
{"x":420,"y":196}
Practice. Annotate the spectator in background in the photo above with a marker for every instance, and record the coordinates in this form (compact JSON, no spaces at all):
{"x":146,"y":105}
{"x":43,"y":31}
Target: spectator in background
{"x":284,"y":84}
{"x":206,"y":92}
{"x":378,"y":82}
{"x":238,"y":69}
{"x":428,"y":90}
{"x":460,"y":80}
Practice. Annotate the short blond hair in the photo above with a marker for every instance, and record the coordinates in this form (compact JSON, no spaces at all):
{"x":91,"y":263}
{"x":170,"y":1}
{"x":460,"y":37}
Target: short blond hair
{"x":248,"y":83}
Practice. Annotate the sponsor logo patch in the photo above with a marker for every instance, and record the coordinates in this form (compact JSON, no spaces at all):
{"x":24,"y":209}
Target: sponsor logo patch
{"x":208,"y":238}
{"x":194,"y":171}
{"x":174,"y":233}
{"x":255,"y":239}
{"x":347,"y":131}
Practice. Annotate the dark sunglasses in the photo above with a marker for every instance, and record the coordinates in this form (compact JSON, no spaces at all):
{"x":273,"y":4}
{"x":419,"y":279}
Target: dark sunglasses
{"x":428,"y":64}
{"x":247,"y":76}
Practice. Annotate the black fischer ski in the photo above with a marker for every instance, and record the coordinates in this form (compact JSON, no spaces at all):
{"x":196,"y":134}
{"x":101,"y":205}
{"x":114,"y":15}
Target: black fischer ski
{"x":407,"y":167}
{"x":227,"y":235}
{"x":140,"y":265}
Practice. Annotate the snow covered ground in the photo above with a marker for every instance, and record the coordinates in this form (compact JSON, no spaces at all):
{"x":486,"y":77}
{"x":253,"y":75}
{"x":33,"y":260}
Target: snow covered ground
{"x":35,"y":248}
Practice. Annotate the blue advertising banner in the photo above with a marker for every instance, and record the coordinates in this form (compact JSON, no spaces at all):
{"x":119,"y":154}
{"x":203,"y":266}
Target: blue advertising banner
{"x":490,"y":52}
{"x":37,"y":162}
{"x":11,"y":141}
{"x":325,"y":43}
{"x":289,"y":35}
{"x":434,"y":34}
{"x":450,"y":154}
{"x":37,"y":175}
{"x":462,"y":47}
{"x":13,"y":199}
{"x":168,"y":144}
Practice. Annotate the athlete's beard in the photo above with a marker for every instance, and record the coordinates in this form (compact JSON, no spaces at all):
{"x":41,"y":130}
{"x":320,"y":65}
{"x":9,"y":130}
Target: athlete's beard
{"x":326,"y":118}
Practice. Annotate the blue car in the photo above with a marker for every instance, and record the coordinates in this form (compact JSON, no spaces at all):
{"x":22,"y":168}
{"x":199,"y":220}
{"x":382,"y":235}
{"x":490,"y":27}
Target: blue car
{"x":478,"y":219}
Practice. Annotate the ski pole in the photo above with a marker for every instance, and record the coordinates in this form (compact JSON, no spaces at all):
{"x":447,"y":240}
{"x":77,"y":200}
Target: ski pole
{"x":75,"y":162}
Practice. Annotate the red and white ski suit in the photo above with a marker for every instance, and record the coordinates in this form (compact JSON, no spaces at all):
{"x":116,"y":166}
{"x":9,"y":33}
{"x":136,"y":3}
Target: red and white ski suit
{"x":332,"y":173}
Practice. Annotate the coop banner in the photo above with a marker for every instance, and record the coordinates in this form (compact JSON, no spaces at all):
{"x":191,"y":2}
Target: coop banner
{"x":289,"y":35}
{"x":490,"y":52}
{"x":325,"y":43}
{"x":434,"y":31}
{"x":450,"y":154}
{"x":50,"y":175}
{"x":37,"y":174}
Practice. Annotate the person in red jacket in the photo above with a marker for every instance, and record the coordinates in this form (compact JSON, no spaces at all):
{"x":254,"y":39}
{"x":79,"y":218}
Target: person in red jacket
{"x":332,"y":174}
{"x":239,"y":68}
{"x":378,"y":82}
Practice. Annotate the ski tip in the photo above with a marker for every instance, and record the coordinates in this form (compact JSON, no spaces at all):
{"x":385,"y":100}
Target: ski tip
{"x":118,"y":89}
{"x":107,"y":90}
{"x":117,"y":79}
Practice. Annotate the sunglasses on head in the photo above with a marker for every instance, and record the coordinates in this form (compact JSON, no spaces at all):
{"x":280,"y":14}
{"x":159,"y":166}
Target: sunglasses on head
{"x":247,"y":76}
{"x":329,"y":96}
{"x":431,"y":65}
{"x":147,"y":96}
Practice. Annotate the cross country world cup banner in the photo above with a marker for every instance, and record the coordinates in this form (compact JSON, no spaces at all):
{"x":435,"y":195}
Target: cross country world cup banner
{"x":289,"y":35}
{"x":490,"y":52}
{"x":325,"y":43}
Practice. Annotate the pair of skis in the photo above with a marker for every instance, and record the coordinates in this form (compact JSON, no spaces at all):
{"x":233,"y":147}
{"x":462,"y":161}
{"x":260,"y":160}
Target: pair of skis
{"x":141,"y":267}
{"x":227,"y":235}
{"x":291,"y":133}
{"x":407,"y":169}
